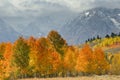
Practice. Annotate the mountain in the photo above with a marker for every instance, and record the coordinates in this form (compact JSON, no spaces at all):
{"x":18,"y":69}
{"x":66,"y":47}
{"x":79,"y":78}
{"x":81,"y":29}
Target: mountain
{"x":18,"y":23}
{"x":7,"y":33}
{"x":39,"y":25}
{"x":43,"y":24}
{"x":90,"y":23}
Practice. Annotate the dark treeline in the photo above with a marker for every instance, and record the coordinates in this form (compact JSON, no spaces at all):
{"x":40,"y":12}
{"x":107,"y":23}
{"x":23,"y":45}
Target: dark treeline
{"x":106,"y":36}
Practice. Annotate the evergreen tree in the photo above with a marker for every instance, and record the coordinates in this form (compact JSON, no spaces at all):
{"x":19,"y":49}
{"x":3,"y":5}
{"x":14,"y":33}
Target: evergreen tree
{"x":98,"y":37}
{"x":113,"y":34}
{"x":119,"y":34}
{"x":107,"y":36}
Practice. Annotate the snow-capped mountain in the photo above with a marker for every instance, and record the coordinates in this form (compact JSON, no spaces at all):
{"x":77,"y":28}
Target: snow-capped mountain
{"x":90,"y":23}
{"x":7,"y":33}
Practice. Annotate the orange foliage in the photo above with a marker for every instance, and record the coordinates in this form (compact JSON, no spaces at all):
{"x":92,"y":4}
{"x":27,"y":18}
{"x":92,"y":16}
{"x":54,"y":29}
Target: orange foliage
{"x":70,"y":59}
{"x":84,"y":59}
{"x":5,"y":64}
{"x":101,"y":65}
{"x":55,"y":61}
{"x":8,"y":51}
{"x":50,"y":55}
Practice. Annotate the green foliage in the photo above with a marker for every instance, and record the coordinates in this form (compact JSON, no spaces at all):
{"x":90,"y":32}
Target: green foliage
{"x":2,"y":50}
{"x":21,"y":54}
{"x":57,"y":41}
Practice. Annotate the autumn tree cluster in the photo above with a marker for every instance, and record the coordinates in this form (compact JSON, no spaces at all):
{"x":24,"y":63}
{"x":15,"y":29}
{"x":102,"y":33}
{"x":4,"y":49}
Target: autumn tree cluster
{"x":107,"y":41}
{"x":49,"y":56}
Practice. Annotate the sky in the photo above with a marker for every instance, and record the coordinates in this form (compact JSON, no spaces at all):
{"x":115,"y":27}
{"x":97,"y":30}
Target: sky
{"x":40,"y":7}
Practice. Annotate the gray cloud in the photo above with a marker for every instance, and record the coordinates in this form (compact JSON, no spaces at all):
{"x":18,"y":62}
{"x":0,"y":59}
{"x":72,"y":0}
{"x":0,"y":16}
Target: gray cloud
{"x":107,"y":3}
{"x":40,"y":7}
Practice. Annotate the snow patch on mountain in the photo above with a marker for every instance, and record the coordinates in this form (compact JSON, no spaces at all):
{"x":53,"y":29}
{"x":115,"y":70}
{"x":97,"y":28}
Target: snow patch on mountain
{"x":115,"y":22}
{"x":90,"y":23}
{"x":118,"y":14}
{"x":87,"y":13}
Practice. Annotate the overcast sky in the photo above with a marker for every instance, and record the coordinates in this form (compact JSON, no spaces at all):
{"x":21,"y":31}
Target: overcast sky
{"x":39,"y":7}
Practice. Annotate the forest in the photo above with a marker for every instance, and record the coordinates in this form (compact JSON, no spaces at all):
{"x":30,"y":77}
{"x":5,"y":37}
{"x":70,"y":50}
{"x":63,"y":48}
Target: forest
{"x":51,"y":56}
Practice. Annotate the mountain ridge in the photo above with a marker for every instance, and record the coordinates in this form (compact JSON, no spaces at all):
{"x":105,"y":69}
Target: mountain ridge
{"x":7,"y":33}
{"x":90,"y":23}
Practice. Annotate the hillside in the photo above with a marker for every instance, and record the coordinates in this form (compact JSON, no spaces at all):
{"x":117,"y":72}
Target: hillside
{"x":110,"y":43}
